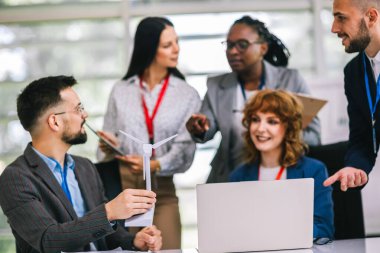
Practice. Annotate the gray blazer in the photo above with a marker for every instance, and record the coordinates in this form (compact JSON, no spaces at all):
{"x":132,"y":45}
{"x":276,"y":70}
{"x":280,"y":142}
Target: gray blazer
{"x":218,"y":106}
{"x":41,"y":217}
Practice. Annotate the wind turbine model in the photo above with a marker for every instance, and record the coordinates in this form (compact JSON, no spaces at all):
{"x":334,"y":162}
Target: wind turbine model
{"x":145,"y":219}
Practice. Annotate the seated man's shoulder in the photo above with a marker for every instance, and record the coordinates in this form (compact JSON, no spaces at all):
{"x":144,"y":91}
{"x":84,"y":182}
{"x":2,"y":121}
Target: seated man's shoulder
{"x":17,"y":166}
{"x":15,"y":172}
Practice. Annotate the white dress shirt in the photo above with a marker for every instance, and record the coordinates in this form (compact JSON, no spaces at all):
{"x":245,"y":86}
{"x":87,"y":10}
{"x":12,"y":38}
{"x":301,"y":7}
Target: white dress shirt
{"x":375,"y":64}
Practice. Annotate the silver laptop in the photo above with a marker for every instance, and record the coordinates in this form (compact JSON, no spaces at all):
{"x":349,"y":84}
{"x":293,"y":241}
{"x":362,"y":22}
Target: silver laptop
{"x":255,"y":216}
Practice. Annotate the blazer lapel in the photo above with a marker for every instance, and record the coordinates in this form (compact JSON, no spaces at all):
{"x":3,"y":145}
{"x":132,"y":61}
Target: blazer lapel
{"x":362,"y":87}
{"x":294,"y":172}
{"x":228,"y":91}
{"x":227,"y":99}
{"x":40,"y":169}
{"x":84,"y":185}
{"x":271,"y":76}
{"x":254,"y":172}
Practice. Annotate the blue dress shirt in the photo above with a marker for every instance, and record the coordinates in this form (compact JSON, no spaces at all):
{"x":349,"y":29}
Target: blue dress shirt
{"x":69,"y":164}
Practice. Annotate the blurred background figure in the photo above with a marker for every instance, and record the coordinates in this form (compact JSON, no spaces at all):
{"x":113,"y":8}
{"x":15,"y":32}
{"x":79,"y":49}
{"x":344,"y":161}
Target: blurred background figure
{"x":152,"y":102}
{"x":258,"y":60}
{"x":275,"y":151}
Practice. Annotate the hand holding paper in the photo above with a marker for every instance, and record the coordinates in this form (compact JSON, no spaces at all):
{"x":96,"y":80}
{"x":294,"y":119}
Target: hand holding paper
{"x":130,"y":202}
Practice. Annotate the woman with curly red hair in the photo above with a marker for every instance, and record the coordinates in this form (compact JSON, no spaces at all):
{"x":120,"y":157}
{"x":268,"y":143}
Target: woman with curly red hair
{"x":275,"y":151}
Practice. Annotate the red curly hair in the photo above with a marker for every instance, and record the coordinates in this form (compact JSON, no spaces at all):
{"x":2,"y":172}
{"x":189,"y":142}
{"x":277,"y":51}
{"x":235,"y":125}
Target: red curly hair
{"x":288,"y":109}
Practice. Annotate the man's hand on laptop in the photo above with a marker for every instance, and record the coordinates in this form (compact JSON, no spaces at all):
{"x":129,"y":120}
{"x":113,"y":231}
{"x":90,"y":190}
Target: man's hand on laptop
{"x":349,"y":177}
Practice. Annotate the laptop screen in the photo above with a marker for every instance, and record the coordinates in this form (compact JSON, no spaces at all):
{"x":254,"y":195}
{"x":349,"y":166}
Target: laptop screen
{"x":255,"y":216}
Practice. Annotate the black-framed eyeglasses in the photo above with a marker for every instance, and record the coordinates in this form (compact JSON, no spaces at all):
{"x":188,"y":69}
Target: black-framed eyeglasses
{"x":240,"y":45}
{"x":78,"y":109}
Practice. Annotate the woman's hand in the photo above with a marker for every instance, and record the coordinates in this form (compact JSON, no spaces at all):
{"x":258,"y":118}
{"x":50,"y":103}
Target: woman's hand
{"x":109,"y":137}
{"x":135,"y":163}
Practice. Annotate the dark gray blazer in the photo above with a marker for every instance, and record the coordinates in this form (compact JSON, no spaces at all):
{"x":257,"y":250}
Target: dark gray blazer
{"x":218,"y":106}
{"x":42,"y":218}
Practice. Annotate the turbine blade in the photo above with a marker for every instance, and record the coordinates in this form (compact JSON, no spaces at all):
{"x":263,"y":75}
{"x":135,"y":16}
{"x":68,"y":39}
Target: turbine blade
{"x":131,"y":137}
{"x":156,"y":145}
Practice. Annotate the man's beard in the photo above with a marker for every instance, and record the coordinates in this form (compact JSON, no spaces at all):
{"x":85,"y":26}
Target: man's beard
{"x":361,"y":41}
{"x":73,"y":139}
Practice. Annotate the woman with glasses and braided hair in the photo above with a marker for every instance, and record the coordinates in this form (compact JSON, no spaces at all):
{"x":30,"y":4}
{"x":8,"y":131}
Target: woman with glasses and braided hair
{"x":258,"y":60}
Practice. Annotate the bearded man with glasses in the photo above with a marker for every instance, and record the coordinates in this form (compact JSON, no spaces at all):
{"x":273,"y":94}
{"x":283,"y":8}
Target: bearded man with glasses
{"x":55,"y":201}
{"x":258,"y":60}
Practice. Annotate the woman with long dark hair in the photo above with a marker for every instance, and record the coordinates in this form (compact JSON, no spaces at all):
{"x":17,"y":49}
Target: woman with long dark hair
{"x":152,"y":102}
{"x":258,"y":60}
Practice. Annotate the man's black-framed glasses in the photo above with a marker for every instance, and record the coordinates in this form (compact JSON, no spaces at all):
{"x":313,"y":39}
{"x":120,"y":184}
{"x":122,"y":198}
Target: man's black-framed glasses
{"x":78,"y":109}
{"x":240,"y":45}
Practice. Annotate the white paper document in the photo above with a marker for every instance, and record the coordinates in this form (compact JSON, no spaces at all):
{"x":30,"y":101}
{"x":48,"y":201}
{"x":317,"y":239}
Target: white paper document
{"x":141,"y":220}
{"x":311,"y":107}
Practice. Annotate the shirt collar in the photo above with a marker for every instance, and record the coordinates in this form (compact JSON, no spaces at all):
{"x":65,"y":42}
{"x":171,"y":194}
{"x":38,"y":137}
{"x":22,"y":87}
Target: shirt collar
{"x":135,"y":80}
{"x":375,"y":59}
{"x":54,"y":164}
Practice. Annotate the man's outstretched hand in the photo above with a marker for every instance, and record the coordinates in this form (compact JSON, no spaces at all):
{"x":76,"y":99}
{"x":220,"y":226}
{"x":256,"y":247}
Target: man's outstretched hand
{"x":349,"y":177}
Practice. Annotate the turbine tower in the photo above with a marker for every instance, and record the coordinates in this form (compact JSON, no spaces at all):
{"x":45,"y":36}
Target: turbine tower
{"x":145,"y":219}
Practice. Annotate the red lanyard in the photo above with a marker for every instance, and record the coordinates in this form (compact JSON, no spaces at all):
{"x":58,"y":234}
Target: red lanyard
{"x":149,"y":119}
{"x":279,"y":174}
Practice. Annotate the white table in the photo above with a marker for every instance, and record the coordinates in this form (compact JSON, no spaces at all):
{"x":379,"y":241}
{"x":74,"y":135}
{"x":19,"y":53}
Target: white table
{"x":367,"y":245}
